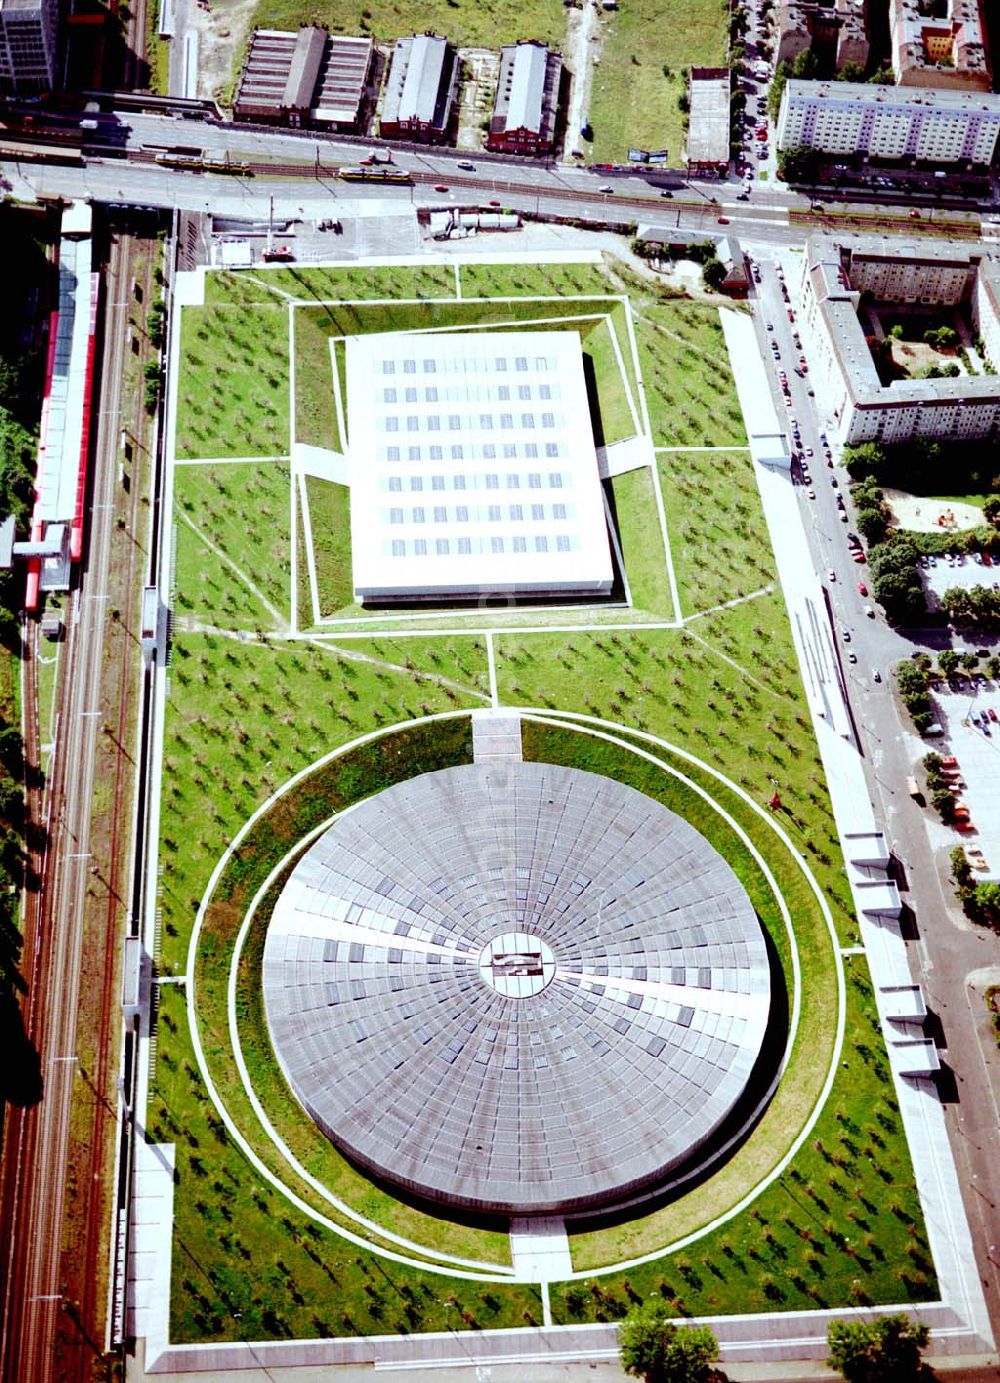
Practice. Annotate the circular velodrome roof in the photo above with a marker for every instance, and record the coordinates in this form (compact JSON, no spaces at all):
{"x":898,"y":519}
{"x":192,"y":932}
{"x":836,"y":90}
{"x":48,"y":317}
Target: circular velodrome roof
{"x":515,"y":987}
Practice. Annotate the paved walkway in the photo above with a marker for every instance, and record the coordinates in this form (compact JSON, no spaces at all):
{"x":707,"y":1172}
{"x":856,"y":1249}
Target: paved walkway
{"x":496,"y":736}
{"x":540,"y":1249}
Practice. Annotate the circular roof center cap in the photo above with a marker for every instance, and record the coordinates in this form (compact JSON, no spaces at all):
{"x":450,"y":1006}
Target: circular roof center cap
{"x":517,"y":964}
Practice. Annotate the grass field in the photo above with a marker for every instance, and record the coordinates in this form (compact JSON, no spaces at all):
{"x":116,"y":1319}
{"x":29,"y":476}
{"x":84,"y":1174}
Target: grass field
{"x":633,"y":102}
{"x":642,"y":542}
{"x":488,"y":25}
{"x":216,"y":507}
{"x":330,"y":516}
{"x":689,"y":383}
{"x":233,"y":399}
{"x":721,"y":547}
{"x":250,"y":704}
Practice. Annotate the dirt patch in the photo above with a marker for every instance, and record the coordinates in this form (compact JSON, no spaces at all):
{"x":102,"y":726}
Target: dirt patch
{"x":481,"y":72}
{"x":923,"y":515}
{"x":910,"y":357}
{"x":223,"y":27}
{"x":582,"y":53}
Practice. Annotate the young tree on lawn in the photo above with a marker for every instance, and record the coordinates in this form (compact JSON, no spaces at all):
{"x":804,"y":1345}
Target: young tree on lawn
{"x":657,"y":1349}
{"x":886,"y":1350}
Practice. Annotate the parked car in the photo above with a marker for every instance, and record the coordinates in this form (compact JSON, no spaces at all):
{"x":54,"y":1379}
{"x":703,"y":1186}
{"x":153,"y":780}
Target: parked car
{"x":862,"y":588}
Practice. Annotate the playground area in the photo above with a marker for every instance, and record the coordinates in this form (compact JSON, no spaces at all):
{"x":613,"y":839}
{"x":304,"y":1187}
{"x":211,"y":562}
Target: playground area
{"x":920,"y":514}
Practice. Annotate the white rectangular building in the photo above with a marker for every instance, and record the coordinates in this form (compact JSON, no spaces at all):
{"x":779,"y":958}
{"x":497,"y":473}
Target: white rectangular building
{"x":843,"y":119}
{"x":473,"y":470}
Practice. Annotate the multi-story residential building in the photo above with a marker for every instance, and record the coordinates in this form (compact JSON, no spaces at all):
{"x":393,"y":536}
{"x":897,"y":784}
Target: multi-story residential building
{"x":841,"y":25}
{"x":527,"y":101}
{"x":892,"y":124}
{"x":420,"y":90}
{"x":839,"y":275}
{"x":29,"y":39}
{"x":940,"y":44}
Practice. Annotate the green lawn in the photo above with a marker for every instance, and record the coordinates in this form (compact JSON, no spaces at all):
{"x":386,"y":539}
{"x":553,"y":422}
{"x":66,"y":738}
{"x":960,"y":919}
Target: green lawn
{"x":315,"y":412}
{"x":330,"y":515}
{"x":347,"y":780}
{"x":524,"y":280}
{"x":315,"y":403}
{"x":233,"y":535}
{"x":689,"y":383}
{"x":641,"y":541}
{"x":718,"y":536}
{"x":233,"y":396}
{"x":484,"y":26}
{"x":318,"y":284}
{"x":633,"y":103}
{"x":856,"y":1169}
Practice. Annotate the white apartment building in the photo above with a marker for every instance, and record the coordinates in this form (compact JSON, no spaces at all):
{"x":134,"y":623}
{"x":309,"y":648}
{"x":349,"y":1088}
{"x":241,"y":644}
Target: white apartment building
{"x":29,"y":34}
{"x":912,"y":124}
{"x":837,"y":273}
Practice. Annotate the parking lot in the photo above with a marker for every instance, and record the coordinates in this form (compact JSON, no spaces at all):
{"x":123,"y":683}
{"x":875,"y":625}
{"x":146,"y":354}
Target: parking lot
{"x":965,"y":571}
{"x":978,"y":753}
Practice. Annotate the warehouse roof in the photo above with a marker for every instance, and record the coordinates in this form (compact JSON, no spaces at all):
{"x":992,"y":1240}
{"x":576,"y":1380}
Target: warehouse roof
{"x":708,"y":128}
{"x":416,"y":78}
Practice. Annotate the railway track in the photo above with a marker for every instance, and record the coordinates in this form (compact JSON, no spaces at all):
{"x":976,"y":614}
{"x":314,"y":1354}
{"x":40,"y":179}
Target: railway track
{"x":57,"y":1155}
{"x":119,"y":678}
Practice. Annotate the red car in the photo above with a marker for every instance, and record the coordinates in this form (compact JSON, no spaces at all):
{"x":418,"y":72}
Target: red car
{"x":991,"y":713}
{"x":862,"y":588}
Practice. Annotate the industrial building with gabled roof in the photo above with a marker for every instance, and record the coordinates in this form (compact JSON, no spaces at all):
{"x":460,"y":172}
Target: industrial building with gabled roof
{"x":420,"y":90}
{"x":526,"y":109}
{"x":308,"y":78}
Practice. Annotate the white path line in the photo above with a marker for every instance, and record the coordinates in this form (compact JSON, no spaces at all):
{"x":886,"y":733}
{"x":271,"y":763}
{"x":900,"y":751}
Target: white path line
{"x":271,"y":288}
{"x":546,"y":1304}
{"x":458,"y":282}
{"x":659,"y":449}
{"x":717,"y":653}
{"x":293,"y":508}
{"x":492,"y":665}
{"x":310,"y":553}
{"x":616,"y":346}
{"x":730,"y":604}
{"x":237,"y":571}
{"x":291,"y":378}
{"x":853,"y":951}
